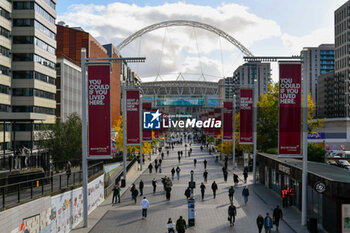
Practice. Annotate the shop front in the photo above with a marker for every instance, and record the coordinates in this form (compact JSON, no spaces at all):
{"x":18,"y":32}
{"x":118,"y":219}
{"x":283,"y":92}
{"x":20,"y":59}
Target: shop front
{"x":328,"y":192}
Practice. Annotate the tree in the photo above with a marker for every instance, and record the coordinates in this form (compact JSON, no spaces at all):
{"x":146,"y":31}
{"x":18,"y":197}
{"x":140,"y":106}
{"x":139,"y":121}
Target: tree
{"x":315,"y":153}
{"x":62,"y":140}
{"x":267,"y":122}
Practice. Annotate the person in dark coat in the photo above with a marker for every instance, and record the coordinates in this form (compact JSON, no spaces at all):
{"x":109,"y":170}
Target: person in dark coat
{"x":245,"y":175}
{"x":156,"y":167}
{"x":245,"y":194}
{"x":167,"y":153}
{"x":231,"y":191}
{"x":133,"y":187}
{"x":115,"y":194}
{"x":141,"y":185}
{"x":160,"y":162}
{"x":150,"y":167}
{"x":205,"y":163}
{"x":195,"y":163}
{"x":135,"y":192}
{"x":260,"y":222}
{"x":235,"y":179}
{"x":277,"y":215}
{"x":154,"y":184}
{"x":205,"y":175}
{"x":225,"y":175}
{"x":202,"y":190}
{"x":172,"y":173}
{"x":156,"y":162}
{"x":162,"y":155}
{"x":168,"y":184}
{"x":178,"y":172}
{"x":181,"y":225}
{"x":179,"y":157}
{"x":232,"y":214}
{"x":214,"y":187}
{"x":188,"y":192}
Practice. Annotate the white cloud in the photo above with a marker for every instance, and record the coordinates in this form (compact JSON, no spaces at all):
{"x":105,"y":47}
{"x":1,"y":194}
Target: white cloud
{"x":320,"y":36}
{"x":181,"y":49}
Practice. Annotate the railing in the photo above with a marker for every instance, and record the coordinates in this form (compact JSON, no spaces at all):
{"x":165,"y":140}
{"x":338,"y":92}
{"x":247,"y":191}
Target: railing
{"x":118,"y":176}
{"x":13,"y":194}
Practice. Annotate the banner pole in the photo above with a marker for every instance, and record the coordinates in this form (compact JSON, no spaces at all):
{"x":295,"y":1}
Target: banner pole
{"x":84,"y":135}
{"x":124,"y":131}
{"x":234,"y":135}
{"x":255,"y":128}
{"x":140,"y":111}
{"x":304,"y":175}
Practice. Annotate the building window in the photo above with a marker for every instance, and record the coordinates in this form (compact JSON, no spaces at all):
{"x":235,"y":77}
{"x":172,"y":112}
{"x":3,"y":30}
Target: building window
{"x":23,"y":39}
{"x":51,"y":4}
{"x":5,"y":108}
{"x":4,"y":70}
{"x":4,"y":51}
{"x":23,"y":22}
{"x":4,"y":13}
{"x":22,"y":91}
{"x":44,"y":94}
{"x":49,"y":111}
{"x":36,"y":7}
{"x":44,"y":29}
{"x":22,"y":57}
{"x":4,"y":89}
{"x":44,"y":46}
{"x":44,"y":61}
{"x":4,"y":32}
{"x":31,"y":74}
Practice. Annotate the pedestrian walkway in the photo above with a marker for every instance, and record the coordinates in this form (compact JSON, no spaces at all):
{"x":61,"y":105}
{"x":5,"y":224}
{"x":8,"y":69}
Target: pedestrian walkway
{"x":211,"y":214}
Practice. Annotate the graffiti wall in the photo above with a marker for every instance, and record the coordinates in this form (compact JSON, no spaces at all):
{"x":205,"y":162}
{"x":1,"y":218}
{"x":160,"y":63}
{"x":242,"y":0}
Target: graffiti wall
{"x":67,"y":208}
{"x":59,"y":213}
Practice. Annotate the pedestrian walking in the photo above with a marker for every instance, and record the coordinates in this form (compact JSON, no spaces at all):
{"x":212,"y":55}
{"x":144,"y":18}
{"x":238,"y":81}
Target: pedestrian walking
{"x":162,"y":155}
{"x":202,"y":187}
{"x":225,"y":165}
{"x":178,"y":172}
{"x":141,"y":185}
{"x":150,"y":167}
{"x":214,"y":187}
{"x":160,"y":161}
{"x":225,"y":175}
{"x":156,"y":167}
{"x":205,"y":163}
{"x":134,"y":194}
{"x":170,"y":226}
{"x":172,"y":173}
{"x":188,"y":192}
{"x":268,"y":223}
{"x":179,"y":157}
{"x":245,"y":194}
{"x":181,"y":225}
{"x":182,"y":153}
{"x":235,"y":179}
{"x":231,"y":191}
{"x":160,"y":168}
{"x":133,"y":187}
{"x":245,"y":174}
{"x":201,"y":147}
{"x":156,"y":162}
{"x":205,"y":175}
{"x":284,"y":197}
{"x":115,"y":194}
{"x":145,"y":206}
{"x":232,"y":212}
{"x":154,"y":184}
{"x":168,"y":185}
{"x":277,"y":215}
{"x":260,"y":222}
{"x":167,"y":153}
{"x":194,"y":163}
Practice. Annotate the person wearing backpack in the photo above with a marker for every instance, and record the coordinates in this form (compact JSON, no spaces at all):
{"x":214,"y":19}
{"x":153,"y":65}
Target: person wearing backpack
{"x":268,"y":223}
{"x":181,"y":225}
{"x":214,"y":187}
{"x":231,"y":191}
{"x":260,"y":222}
{"x":188,"y":192}
{"x":135,"y":192}
{"x":232,"y":214}
{"x":178,"y":172}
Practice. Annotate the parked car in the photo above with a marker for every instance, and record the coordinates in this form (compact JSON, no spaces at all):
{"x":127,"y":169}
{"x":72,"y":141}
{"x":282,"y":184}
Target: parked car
{"x":336,"y":154}
{"x":332,"y":162}
{"x":347,"y":168}
{"x":343,"y":163}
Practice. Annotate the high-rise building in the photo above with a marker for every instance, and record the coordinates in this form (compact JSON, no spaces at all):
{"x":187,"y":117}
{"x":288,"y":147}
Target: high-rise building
{"x":342,"y":58}
{"x":70,"y":41}
{"x":243,"y":77}
{"x":316,"y":61}
{"x":27,"y":67}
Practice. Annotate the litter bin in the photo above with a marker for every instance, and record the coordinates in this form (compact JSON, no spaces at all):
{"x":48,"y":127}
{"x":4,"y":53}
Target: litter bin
{"x":123,"y":183}
{"x":312,"y":226}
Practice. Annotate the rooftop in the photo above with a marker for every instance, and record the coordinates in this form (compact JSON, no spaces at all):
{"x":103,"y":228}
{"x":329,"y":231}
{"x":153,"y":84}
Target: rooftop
{"x":323,"y":170}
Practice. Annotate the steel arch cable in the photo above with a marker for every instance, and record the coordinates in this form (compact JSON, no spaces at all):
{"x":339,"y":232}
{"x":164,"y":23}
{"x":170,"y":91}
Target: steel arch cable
{"x":173,"y":23}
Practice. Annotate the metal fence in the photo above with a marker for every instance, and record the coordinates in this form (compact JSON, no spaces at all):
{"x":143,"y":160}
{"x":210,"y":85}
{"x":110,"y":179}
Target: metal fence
{"x":13,"y":194}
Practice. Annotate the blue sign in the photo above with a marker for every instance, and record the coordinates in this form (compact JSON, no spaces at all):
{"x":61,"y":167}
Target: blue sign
{"x":151,"y":120}
{"x":316,"y":136}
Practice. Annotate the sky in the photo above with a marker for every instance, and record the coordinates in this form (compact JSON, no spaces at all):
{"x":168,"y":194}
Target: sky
{"x":264,"y":27}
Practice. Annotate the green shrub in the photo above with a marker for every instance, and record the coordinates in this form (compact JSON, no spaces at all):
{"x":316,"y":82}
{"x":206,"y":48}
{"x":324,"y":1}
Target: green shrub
{"x":272,"y":151}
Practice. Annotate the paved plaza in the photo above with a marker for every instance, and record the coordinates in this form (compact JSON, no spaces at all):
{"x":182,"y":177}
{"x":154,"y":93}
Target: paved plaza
{"x":211,"y":214}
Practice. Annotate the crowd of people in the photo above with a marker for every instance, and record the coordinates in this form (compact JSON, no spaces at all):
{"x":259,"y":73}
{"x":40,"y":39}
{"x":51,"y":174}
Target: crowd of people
{"x":180,"y":225}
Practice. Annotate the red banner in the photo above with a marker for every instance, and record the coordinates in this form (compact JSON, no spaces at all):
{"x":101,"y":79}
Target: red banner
{"x":146,"y":133}
{"x":99,"y":110}
{"x":246,"y":116}
{"x":227,"y":111}
{"x":133,"y":117}
{"x":289,"y":140}
{"x":217,"y":111}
